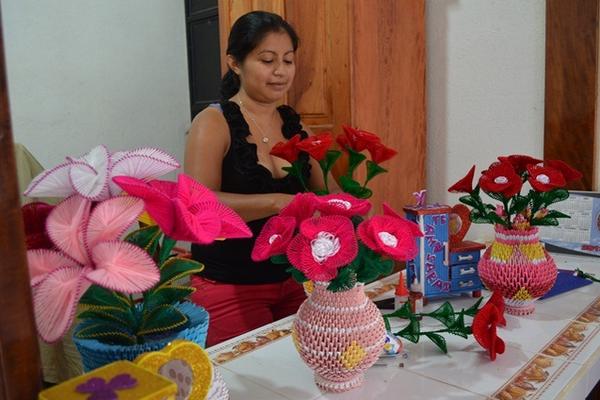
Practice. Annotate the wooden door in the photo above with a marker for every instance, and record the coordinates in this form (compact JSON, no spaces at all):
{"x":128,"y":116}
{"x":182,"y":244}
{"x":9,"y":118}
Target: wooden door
{"x":361,"y":63}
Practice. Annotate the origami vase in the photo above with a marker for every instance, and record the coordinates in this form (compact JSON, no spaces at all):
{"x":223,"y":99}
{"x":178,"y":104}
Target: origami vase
{"x":95,"y":354}
{"x":339,"y":335}
{"x":518,"y":266}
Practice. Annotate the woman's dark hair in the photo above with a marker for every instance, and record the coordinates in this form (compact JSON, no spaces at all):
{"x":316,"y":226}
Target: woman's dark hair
{"x":246,"y":33}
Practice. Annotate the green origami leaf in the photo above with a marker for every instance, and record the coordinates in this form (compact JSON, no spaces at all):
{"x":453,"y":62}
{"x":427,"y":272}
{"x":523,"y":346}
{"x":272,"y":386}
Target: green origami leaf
{"x":518,"y":204}
{"x":147,"y":238}
{"x":444,"y":314}
{"x":477,"y":218}
{"x":166,"y":249}
{"x":554,"y":196}
{"x":297,"y":275}
{"x":373,"y":170}
{"x":280,"y":259}
{"x":345,"y":279}
{"x":471,"y":311}
{"x":162,"y":319}
{"x":166,"y":295}
{"x":98,"y":297}
{"x":403,"y":312}
{"x":496,"y":219}
{"x":176,"y":268}
{"x":546,"y":221}
{"x":469,"y":200}
{"x":354,"y":160}
{"x":438,"y":340}
{"x":556,"y":214}
{"x":412,"y":332}
{"x":330,"y":158}
{"x":124,"y":319}
{"x":495,"y":196}
{"x":458,"y":327}
{"x":107,"y":333}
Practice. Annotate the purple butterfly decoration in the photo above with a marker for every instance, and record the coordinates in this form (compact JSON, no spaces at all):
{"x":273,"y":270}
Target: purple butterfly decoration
{"x":420,"y":197}
{"x":100,"y":390}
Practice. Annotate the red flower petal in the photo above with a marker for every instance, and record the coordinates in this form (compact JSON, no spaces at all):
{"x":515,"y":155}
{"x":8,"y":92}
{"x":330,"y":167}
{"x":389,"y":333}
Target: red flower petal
{"x":358,"y":139}
{"x":498,"y":301}
{"x":302,"y":206}
{"x":544,"y":179}
{"x":465,"y":185}
{"x":316,"y":146}
{"x":501,"y":178}
{"x":273,"y":238}
{"x":570,"y":173}
{"x":391,"y":236}
{"x":287,"y":150}
{"x":380,"y":153}
{"x":520,"y":162}
{"x":34,"y":221}
{"x":484,"y":330}
{"x":342,"y":204}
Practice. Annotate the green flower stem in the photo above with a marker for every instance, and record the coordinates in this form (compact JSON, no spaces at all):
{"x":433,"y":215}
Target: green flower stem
{"x":297,"y":172}
{"x":325,"y":174}
{"x":585,"y":275}
{"x":507,"y":211}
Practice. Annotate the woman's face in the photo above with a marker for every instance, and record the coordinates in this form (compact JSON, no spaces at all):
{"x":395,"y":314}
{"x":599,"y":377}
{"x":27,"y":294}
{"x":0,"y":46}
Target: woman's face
{"x":268,"y":71}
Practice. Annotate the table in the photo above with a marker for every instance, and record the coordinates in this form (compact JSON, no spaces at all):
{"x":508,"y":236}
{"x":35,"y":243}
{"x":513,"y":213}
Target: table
{"x":555,"y":352}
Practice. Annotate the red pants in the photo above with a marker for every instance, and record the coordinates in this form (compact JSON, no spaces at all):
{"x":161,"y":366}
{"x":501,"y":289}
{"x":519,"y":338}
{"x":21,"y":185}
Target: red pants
{"x":236,"y":309}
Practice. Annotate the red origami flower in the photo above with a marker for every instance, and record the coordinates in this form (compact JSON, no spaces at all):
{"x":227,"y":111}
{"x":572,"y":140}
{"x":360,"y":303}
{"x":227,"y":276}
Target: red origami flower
{"x":465,"y":185}
{"x":323,"y":245}
{"x":357,"y":139}
{"x":570,"y":173}
{"x":498,"y":301}
{"x":380,"y":153}
{"x":389,"y":211}
{"x":302,"y":206}
{"x":389,"y":235}
{"x":34,"y":221}
{"x":287,"y":150}
{"x":501,"y":178}
{"x":316,"y":146}
{"x":520,"y":162}
{"x":186,"y":210}
{"x":342,"y":204}
{"x":484,"y":329}
{"x":544,"y":179}
{"x":273,"y":238}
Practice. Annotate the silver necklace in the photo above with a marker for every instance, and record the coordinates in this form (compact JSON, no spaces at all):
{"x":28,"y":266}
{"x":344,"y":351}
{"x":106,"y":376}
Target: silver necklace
{"x":265,"y":138}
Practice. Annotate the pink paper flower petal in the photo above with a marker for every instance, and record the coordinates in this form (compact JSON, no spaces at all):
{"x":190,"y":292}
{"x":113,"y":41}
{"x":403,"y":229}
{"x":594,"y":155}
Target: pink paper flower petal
{"x":64,"y":226}
{"x":55,"y":301}
{"x":391,"y":236}
{"x":232,"y":225}
{"x":111,"y":218}
{"x":414,"y":227}
{"x":123,"y":267}
{"x":157,"y":203}
{"x":299,"y":254}
{"x":191,"y":192}
{"x":53,"y":182}
{"x":302,"y":206}
{"x":41,"y":262}
{"x":199,"y":226}
{"x":342,"y":204}
{"x":273,"y":238}
{"x":89,"y":176}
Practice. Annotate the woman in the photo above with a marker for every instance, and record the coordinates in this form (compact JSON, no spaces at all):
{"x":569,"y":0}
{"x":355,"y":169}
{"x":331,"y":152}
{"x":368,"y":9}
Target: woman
{"x":228,"y":151}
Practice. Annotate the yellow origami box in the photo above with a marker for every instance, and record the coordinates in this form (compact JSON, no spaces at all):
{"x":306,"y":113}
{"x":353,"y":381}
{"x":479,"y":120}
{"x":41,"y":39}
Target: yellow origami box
{"x":124,"y":379}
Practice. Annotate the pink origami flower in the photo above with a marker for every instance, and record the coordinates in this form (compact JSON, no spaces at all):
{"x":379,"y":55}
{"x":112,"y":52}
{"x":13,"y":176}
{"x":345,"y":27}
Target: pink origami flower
{"x":394,"y":237}
{"x":302,"y":206}
{"x":389,"y":211}
{"x":186,"y":210}
{"x":89,"y":252}
{"x":342,"y":204}
{"x":91,"y":175}
{"x":273,"y":238}
{"x":323,"y":245}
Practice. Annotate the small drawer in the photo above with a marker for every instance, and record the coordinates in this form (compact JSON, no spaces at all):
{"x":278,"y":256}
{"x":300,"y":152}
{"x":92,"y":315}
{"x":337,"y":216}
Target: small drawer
{"x":467,"y":283}
{"x":463,"y":271}
{"x":464,"y":257}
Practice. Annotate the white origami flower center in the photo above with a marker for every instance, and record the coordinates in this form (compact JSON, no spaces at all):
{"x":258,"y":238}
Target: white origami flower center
{"x":542,"y":178}
{"x":388,"y":239}
{"x":316,"y":142}
{"x":346,"y":205}
{"x":500,"y":180}
{"x":274,"y":238}
{"x":324,"y":246}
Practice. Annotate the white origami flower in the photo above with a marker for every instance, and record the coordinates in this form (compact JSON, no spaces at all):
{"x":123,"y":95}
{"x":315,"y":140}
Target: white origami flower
{"x":91,"y":175}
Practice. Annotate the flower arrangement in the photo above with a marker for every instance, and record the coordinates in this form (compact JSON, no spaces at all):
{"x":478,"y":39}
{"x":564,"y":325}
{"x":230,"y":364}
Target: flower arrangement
{"x":504,"y":180}
{"x":316,"y":234}
{"x":77,"y":255}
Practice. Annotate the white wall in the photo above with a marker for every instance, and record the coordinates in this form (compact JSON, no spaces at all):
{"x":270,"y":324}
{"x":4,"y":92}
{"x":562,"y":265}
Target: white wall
{"x":85,"y":72}
{"x":485,"y":88}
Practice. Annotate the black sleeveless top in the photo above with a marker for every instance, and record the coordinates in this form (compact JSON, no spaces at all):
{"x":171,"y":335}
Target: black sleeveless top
{"x":229,"y":261}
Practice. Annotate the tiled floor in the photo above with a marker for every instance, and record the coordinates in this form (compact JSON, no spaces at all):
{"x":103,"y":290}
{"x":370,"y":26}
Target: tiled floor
{"x":569,"y":369}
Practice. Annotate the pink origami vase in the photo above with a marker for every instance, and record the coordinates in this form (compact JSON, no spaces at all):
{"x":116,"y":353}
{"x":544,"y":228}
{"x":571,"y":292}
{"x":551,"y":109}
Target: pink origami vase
{"x":518,"y":266}
{"x":339,"y":335}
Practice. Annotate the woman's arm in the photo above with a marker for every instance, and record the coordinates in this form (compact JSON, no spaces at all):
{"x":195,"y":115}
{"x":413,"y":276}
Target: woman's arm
{"x":207,"y":143}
